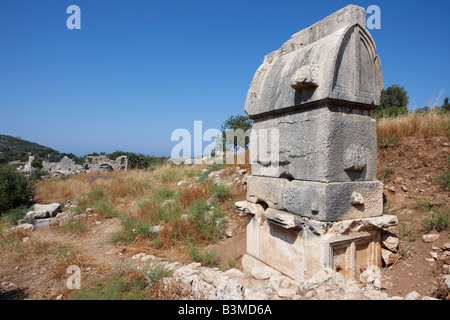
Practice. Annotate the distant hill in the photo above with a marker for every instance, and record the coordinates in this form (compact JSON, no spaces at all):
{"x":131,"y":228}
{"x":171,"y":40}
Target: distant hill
{"x":17,"y":149}
{"x":14,"y":148}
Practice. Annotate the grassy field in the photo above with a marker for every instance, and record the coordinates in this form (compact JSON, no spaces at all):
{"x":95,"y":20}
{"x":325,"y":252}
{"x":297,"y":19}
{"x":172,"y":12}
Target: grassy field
{"x":431,"y":124}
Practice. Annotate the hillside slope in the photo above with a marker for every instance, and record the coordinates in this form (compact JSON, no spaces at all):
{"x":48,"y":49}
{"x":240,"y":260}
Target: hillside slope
{"x":12,"y":149}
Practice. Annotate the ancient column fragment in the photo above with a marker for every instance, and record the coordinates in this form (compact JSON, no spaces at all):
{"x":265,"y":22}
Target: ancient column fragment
{"x":318,"y":189}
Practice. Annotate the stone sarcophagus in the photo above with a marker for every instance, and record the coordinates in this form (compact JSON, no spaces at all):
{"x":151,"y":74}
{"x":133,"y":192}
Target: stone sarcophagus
{"x":313,"y":200}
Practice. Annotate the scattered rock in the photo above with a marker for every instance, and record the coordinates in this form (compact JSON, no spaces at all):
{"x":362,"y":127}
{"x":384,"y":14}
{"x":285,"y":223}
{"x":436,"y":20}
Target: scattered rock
{"x":388,"y":257}
{"x":138,"y":256}
{"x":444,"y":257}
{"x":446,"y":280}
{"x":262,"y":272}
{"x":24,"y":227}
{"x":430,"y":237}
{"x":371,"y":277}
{"x":230,"y":228}
{"x":43,"y":211}
{"x":391,"y":189}
{"x":182,"y":183}
{"x":389,"y":241}
{"x":286,"y":293}
{"x":156,"y":230}
{"x":169,"y":203}
{"x":413,"y":296}
{"x":434,"y":255}
{"x":147,"y":257}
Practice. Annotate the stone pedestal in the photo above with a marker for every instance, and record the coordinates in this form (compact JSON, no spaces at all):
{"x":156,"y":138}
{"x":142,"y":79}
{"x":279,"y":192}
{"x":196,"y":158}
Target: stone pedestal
{"x":312,"y":199}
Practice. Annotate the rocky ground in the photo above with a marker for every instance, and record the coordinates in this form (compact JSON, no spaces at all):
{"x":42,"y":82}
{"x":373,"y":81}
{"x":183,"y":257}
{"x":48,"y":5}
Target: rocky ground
{"x":416,"y":265}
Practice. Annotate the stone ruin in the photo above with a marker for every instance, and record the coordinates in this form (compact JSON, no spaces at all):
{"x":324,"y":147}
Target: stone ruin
{"x":101,"y":163}
{"x":317,"y":204}
{"x":67,"y":166}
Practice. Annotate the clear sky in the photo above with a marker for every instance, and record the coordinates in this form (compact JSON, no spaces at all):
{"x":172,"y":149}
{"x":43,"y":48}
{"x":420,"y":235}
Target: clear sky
{"x":139,"y":69}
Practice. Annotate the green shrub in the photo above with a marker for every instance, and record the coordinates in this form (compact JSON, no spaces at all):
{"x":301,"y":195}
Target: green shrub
{"x":207,"y":221}
{"x":211,"y":168}
{"x":104,"y":208}
{"x":220,"y":191}
{"x":133,"y":227}
{"x":444,"y":179}
{"x":388,"y":141}
{"x":158,"y":272}
{"x":11,"y":217}
{"x":169,"y":176}
{"x":387,"y":173}
{"x":116,"y":287}
{"x":391,"y":112}
{"x":205,"y":257}
{"x":438,"y":220}
{"x":74,"y":225}
{"x":164,"y":193}
{"x":15,"y":189}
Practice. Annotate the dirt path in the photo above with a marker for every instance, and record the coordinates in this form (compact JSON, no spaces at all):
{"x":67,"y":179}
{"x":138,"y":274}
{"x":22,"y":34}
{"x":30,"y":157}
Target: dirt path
{"x":37,"y":268}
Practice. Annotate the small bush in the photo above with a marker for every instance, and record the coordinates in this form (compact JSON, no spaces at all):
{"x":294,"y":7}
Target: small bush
{"x":158,"y":272}
{"x":97,"y":200}
{"x":169,"y":176}
{"x":391,"y":112}
{"x":133,"y":228}
{"x":388,"y":141}
{"x":74,"y":225}
{"x":438,"y":221}
{"x":164,"y":194}
{"x":207,"y":221}
{"x":116,"y":287}
{"x":104,"y":208}
{"x":220,"y":191}
{"x":11,"y":217}
{"x":197,"y":192}
{"x":205,"y":257}
{"x":15,"y":189}
{"x":386,"y":173}
{"x":444,"y":179}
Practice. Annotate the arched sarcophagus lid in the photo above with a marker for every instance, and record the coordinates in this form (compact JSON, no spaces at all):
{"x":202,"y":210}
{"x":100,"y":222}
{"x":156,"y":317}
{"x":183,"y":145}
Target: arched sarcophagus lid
{"x":333,"y":61}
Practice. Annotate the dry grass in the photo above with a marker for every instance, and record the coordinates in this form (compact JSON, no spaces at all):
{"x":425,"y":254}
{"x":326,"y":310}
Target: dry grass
{"x":121,"y":186}
{"x":423,"y":126}
{"x":199,"y":191}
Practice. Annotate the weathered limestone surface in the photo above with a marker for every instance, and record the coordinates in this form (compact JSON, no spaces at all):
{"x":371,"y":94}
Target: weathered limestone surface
{"x":93,"y":164}
{"x":322,"y":201}
{"x":65,"y":166}
{"x":267,"y":190}
{"x":333,"y":59}
{"x":314,"y":152}
{"x":324,"y":143}
{"x":299,"y":246}
{"x":334,"y":201}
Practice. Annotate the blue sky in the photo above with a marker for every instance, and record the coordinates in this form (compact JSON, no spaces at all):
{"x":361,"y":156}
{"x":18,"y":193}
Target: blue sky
{"x":139,"y":69}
